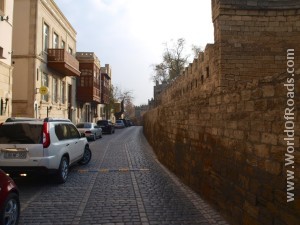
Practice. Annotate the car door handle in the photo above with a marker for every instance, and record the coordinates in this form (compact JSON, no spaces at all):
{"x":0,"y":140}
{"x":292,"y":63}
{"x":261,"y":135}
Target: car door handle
{"x":67,"y":144}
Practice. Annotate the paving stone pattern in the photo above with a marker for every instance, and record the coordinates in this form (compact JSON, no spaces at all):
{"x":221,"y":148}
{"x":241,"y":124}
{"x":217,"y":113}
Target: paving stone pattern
{"x":123,"y":185}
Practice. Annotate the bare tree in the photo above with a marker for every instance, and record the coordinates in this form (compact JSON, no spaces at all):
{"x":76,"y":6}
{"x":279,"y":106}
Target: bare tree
{"x":118,"y":95}
{"x":173,"y":62}
{"x":196,"y":50}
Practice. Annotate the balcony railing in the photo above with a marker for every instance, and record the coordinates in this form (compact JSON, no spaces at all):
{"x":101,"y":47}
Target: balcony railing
{"x":63,"y":62}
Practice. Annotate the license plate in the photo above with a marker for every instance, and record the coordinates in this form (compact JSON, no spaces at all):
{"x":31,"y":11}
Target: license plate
{"x":15,"y":154}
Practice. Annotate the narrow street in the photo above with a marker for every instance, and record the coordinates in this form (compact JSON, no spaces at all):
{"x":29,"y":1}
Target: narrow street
{"x":124,"y":184}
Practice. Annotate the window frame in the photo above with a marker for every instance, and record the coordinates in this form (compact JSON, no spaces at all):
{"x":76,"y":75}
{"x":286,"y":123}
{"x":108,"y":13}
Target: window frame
{"x":54,"y":89}
{"x":63,"y":90}
{"x":55,"y":41}
{"x":46,"y":37}
{"x":45,"y":82}
{"x":2,"y":7}
{"x":63,"y":44}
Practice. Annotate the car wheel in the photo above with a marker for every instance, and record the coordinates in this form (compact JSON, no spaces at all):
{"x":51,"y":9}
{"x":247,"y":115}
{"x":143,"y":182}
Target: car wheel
{"x":87,"y":155}
{"x":63,"y":170}
{"x":10,"y":212}
{"x":94,"y":137}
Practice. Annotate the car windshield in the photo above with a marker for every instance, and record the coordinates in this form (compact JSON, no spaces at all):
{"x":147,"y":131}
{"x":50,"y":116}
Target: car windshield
{"x":21,"y":133}
{"x":84,"y":125}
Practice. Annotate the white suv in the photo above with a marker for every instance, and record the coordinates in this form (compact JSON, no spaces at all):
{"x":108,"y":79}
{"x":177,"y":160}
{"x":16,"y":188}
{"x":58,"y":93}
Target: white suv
{"x":50,"y":145}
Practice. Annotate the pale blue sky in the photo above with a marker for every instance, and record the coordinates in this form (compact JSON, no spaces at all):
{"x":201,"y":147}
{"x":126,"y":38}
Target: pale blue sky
{"x":129,"y":34}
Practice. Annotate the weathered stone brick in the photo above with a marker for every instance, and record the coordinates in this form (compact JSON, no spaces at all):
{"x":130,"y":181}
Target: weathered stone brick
{"x":273,"y":167}
{"x":261,"y":104}
{"x":249,"y":106}
{"x":254,"y":136}
{"x":262,"y":150}
{"x":268,"y":91}
{"x":269,"y":138}
{"x":251,"y":209}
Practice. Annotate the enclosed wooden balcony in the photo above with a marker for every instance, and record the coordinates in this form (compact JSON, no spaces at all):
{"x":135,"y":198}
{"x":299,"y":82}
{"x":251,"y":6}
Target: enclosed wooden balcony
{"x":63,"y":62}
{"x":88,"y":94}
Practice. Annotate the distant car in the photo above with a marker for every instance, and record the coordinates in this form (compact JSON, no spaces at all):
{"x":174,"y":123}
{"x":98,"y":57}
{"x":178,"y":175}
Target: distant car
{"x":91,"y":130}
{"x":51,"y":145}
{"x":9,"y":200}
{"x":119,"y":124}
{"x":107,"y":126}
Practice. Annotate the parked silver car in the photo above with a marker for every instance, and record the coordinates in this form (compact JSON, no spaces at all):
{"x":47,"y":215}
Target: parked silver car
{"x":119,"y":124}
{"x":91,"y":130}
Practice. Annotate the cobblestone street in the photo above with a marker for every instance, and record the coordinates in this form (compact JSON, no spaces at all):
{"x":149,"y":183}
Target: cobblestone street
{"x":124,"y":184}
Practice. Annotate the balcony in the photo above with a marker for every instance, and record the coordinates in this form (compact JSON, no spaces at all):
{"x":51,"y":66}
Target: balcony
{"x":63,"y":62}
{"x":88,"y":94}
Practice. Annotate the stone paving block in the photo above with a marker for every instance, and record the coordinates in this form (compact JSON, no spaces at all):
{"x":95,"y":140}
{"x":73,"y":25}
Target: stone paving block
{"x":123,"y":185}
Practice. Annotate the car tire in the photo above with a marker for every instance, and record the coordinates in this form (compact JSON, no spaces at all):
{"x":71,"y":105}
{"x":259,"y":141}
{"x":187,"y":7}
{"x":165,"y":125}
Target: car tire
{"x":63,"y":170}
{"x":87,"y":155}
{"x":94,"y":137}
{"x":11,"y":210}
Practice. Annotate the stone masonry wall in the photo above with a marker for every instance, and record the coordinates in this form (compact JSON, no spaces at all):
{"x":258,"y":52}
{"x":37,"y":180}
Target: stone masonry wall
{"x":220,"y":125}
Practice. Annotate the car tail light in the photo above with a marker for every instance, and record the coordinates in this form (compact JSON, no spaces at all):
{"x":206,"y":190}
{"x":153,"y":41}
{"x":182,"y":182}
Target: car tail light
{"x":88,"y":132}
{"x":46,"y":135}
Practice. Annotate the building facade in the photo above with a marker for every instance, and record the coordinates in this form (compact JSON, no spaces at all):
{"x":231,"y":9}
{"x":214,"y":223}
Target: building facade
{"x":106,"y":112}
{"x":88,"y":87}
{"x":45,"y":66}
{"x":6,"y":67}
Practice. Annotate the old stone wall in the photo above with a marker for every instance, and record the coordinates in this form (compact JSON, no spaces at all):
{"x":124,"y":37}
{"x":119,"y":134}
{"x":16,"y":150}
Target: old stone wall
{"x":220,"y":125}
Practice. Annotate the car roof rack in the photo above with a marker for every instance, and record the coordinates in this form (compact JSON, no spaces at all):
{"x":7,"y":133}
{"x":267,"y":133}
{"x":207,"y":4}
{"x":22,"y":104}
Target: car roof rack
{"x":52,"y":119}
{"x":16,"y":119}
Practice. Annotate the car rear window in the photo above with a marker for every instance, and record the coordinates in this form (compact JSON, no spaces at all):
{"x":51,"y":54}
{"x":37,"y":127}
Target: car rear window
{"x":104,"y":122}
{"x":84,"y":125}
{"x":21,"y":133}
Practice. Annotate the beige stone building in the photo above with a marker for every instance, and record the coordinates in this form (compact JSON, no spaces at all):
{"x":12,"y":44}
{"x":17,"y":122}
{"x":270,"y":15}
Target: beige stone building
{"x":6,"y":68}
{"x":45,"y":67}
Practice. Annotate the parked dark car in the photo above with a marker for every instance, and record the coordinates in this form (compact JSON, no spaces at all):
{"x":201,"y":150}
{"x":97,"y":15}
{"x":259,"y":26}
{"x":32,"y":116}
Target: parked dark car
{"x":9,"y":200}
{"x":107,"y":126}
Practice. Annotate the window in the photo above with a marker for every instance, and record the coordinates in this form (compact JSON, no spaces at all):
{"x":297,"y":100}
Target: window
{"x":63,"y":90}
{"x":207,"y":71}
{"x":45,"y":37}
{"x":22,"y":133}
{"x":55,"y":40}
{"x":70,"y":50}
{"x":61,"y":131}
{"x":45,"y":82}
{"x":54,"y":90}
{"x":73,"y":132}
{"x":2,"y":7}
{"x":63,"y":44}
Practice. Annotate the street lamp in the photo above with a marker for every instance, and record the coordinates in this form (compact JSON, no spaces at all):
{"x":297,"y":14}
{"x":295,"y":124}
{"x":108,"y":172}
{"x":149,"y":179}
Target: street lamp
{"x":48,"y":110}
{"x":5,"y":102}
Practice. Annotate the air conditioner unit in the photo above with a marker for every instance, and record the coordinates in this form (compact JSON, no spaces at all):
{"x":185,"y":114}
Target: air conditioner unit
{"x":1,"y":53}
